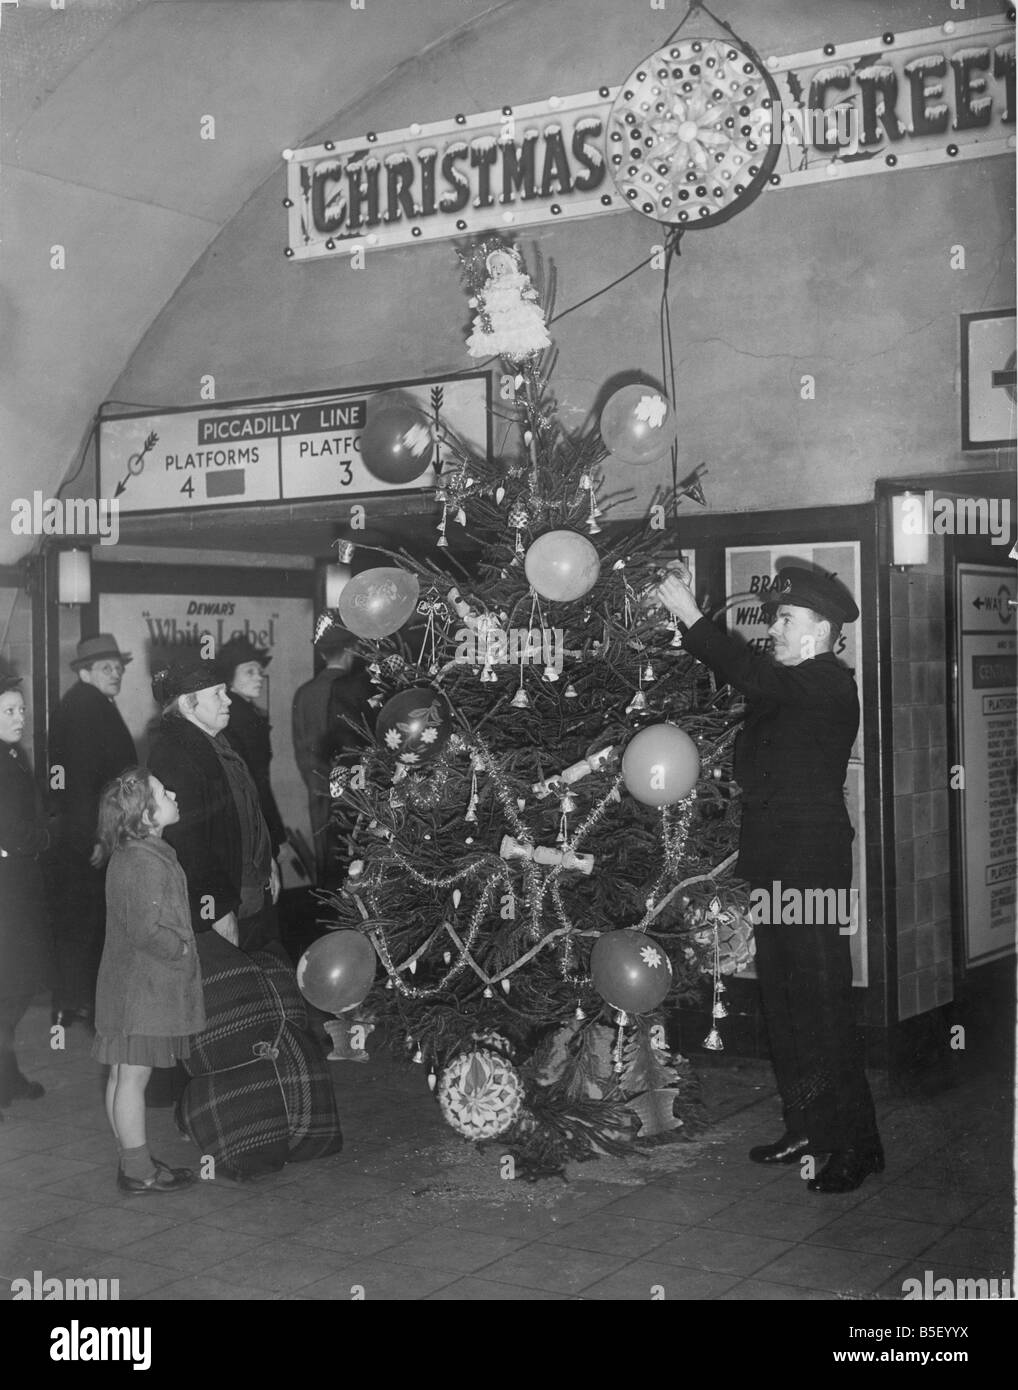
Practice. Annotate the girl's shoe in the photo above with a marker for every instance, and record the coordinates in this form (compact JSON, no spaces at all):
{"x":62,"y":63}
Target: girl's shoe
{"x":164,"y":1179}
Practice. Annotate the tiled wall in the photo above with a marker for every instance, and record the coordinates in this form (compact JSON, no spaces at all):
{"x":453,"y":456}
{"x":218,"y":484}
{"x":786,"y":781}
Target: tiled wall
{"x":921,"y":791}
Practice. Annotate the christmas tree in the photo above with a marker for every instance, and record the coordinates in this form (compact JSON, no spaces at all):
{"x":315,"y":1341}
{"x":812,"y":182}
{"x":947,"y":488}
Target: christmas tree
{"x":531,"y":913}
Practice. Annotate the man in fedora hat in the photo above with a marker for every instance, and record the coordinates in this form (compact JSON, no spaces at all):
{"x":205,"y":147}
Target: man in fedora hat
{"x":89,"y":745}
{"x":791,"y":761}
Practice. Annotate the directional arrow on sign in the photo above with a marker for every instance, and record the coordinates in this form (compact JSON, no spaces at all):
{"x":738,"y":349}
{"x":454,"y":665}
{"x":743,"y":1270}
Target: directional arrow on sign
{"x":136,"y":463}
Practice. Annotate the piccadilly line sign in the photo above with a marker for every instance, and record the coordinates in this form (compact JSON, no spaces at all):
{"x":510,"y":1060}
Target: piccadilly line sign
{"x":900,"y":101}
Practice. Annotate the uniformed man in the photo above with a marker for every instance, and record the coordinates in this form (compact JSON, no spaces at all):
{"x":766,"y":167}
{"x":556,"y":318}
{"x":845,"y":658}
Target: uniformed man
{"x":796,"y":837}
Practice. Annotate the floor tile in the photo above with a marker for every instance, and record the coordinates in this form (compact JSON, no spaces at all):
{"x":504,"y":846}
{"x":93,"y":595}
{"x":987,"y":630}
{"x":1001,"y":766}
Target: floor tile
{"x":561,"y":1270}
{"x":937,"y":1205}
{"x":996,"y":1214}
{"x":109,"y":1228}
{"x":509,"y":1219}
{"x":281,"y":1266}
{"x":374,"y":1281}
{"x":724,"y":1252}
{"x":661,"y":1203}
{"x":760,"y":1291}
{"x":647,"y":1281}
{"x":134,"y":1277}
{"x":355,"y":1233}
{"x":853,"y":1272}
{"x":446,"y":1248}
{"x":475,"y":1290}
{"x":31,"y":1211}
{"x":757,"y":1215}
{"x":36,"y":1170}
{"x":873,"y":1231}
{"x":190,"y":1248}
{"x":269,"y":1216}
{"x":616,"y":1235}
{"x":201,"y":1288}
{"x":22,"y":1255}
{"x":986,"y":1251}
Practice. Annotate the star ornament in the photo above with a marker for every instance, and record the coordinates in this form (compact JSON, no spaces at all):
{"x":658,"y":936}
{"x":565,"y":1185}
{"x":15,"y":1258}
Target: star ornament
{"x":651,"y":956}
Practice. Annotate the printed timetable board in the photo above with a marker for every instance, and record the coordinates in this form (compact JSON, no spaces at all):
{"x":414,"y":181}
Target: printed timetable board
{"x":749,"y":577}
{"x":286,"y":449}
{"x":987,"y":698}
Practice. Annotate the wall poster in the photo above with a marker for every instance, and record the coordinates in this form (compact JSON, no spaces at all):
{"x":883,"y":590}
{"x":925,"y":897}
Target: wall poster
{"x":986,"y":657}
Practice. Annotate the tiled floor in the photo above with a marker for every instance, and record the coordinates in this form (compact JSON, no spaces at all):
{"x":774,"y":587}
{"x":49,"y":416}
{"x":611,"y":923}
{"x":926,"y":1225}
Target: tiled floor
{"x":409,"y":1212}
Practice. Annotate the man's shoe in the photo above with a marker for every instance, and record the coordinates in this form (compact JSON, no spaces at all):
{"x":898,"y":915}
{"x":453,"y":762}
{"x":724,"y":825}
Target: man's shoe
{"x":163,"y":1180}
{"x":789,"y":1149}
{"x":847,"y":1169}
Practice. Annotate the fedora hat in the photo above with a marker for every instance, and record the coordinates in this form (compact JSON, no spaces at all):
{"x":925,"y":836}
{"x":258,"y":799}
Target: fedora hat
{"x":98,"y":649}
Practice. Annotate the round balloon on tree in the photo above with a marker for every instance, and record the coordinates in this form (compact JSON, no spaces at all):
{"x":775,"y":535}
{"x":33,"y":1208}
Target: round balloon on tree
{"x":337,"y":971}
{"x":638,"y":424}
{"x":378,"y":602}
{"x":416,"y":723}
{"x":630,"y":971}
{"x":661,"y":765}
{"x":397,"y":443}
{"x":562,"y":565}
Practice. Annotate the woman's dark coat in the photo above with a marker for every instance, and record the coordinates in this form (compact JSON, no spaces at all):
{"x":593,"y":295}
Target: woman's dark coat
{"x":24,"y":918}
{"x":248,"y":732}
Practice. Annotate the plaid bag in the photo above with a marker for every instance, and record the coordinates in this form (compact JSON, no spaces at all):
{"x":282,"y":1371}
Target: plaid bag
{"x":260,"y":1094}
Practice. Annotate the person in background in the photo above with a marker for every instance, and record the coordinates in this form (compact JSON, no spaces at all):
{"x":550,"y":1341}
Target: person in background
{"x":326,"y":711}
{"x":791,"y":761}
{"x":90,"y":742}
{"x":149,"y":994}
{"x":24,"y":917}
{"x":221,"y":840}
{"x":241,"y":666}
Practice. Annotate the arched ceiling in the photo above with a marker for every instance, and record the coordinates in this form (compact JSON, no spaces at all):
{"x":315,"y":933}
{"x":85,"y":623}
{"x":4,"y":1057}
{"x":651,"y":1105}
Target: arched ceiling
{"x":101,"y":106}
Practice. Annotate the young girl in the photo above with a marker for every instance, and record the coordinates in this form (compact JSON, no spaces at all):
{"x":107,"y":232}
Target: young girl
{"x":149,"y":995}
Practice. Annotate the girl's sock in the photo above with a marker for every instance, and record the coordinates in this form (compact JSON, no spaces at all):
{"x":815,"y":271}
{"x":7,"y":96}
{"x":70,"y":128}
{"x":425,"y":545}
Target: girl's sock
{"x":137,"y":1163}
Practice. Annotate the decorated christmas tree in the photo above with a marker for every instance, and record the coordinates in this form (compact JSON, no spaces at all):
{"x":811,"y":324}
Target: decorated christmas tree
{"x":544,"y":824}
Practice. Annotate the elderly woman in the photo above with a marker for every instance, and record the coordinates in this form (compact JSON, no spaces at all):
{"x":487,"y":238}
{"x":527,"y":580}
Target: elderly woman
{"x":241,"y":665}
{"x":24,"y":922}
{"x":222,"y":841}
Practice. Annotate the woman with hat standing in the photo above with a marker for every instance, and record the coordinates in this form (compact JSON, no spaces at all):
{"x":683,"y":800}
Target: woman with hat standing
{"x":24,"y":921}
{"x":90,"y":745}
{"x":242,"y":666}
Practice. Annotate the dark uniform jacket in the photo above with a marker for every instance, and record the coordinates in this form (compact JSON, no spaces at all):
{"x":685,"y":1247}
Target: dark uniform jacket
{"x":248,"y":732}
{"x":24,"y":920}
{"x":90,"y":740}
{"x":207,"y":838}
{"x":791,"y":760}
{"x":321,"y":709}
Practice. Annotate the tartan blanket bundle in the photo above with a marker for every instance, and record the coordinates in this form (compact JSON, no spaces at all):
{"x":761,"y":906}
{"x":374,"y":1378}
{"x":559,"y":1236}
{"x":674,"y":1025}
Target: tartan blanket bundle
{"x":259,"y":1093}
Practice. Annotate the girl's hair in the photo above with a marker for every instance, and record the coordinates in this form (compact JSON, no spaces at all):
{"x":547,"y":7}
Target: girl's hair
{"x":122,"y":809}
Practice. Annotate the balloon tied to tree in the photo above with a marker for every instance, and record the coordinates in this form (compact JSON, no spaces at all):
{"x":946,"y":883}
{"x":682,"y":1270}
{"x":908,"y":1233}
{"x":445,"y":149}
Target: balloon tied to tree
{"x":547,"y":781}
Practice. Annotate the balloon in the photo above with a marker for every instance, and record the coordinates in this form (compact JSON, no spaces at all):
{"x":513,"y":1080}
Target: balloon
{"x":660,"y":765}
{"x":397,"y":444}
{"x":378,"y":602}
{"x":562,"y":565}
{"x":337,"y":971}
{"x":638,"y":424}
{"x":415,"y":723}
{"x":630,"y":971}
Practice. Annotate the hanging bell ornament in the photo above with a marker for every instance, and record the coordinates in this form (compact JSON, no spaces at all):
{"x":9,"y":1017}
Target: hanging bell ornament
{"x":570,"y":692}
{"x":418,"y":1056}
{"x":648,"y":672}
{"x":579,"y":1015}
{"x":488,"y":993}
{"x":568,"y":804}
{"x":637,"y":704}
{"x":676,"y":641}
{"x":550,"y":674}
{"x":719,"y":1010}
{"x":712,"y":1042}
{"x":488,"y":676}
{"x":447,"y":957}
{"x":521,"y":700}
